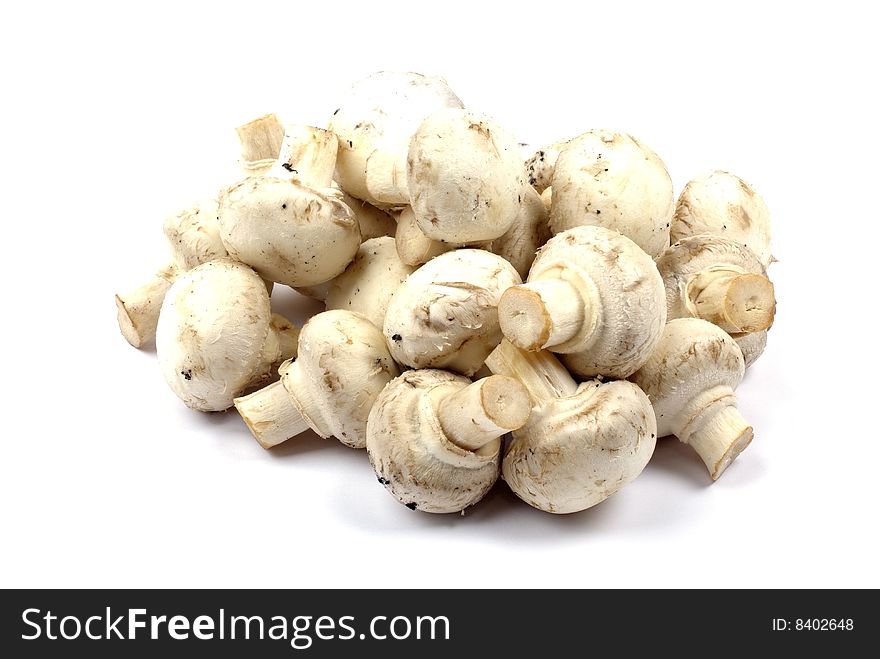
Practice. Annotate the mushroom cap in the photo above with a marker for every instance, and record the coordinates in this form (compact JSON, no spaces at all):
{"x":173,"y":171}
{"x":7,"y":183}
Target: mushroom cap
{"x":288,"y":233}
{"x":412,"y":456}
{"x":540,"y":166}
{"x":445,"y":315}
{"x":382,"y":111}
{"x":212,"y":331}
{"x":692,"y":255}
{"x":693,"y":356}
{"x":341,"y":366}
{"x":527,"y":234}
{"x":631,"y":311}
{"x":370,"y":280}
{"x":612,"y":180}
{"x":752,"y":345}
{"x":723,"y":204}
{"x":193,"y":235}
{"x":465,"y":177}
{"x":578,"y":450}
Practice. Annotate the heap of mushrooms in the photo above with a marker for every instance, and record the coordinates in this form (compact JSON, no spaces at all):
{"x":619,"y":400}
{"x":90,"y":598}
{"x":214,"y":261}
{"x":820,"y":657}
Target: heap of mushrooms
{"x":543,"y":323}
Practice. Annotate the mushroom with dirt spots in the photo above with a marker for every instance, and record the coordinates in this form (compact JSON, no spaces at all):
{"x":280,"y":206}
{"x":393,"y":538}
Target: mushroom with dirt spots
{"x":341,"y":366}
{"x":582,"y":443}
{"x":434,"y":437}
{"x":540,"y":166}
{"x":690,"y":379}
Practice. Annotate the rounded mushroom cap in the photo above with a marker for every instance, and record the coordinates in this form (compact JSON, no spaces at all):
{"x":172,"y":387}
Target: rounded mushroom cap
{"x":629,"y":299}
{"x":370,"y":280}
{"x":445,"y":314}
{"x":341,"y":366}
{"x":540,"y":166}
{"x":722,"y":204}
{"x":693,"y":356}
{"x":528,"y":233}
{"x":288,"y":233}
{"x":465,"y":177}
{"x":692,"y":255}
{"x":752,"y":345}
{"x":193,"y":235}
{"x":412,"y":456}
{"x":576,"y":451}
{"x":382,"y":111}
{"x":612,"y":180}
{"x":211,"y":334}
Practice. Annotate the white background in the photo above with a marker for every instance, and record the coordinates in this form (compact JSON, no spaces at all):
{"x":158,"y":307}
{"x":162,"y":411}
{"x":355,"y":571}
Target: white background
{"x":115,"y":114}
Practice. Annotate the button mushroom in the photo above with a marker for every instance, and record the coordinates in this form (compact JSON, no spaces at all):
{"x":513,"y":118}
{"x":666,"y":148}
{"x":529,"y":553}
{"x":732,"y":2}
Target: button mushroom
{"x":612,"y":180}
{"x":216,"y":336}
{"x":592,"y":295}
{"x":526,"y":235}
{"x":413,"y":246}
{"x":445,"y":314}
{"x":434,"y":437}
{"x":465,"y":177}
{"x":719,"y":280}
{"x":582,"y":443}
{"x":722,"y":204}
{"x":752,"y":345}
{"x":375,"y":122}
{"x":540,"y":166}
{"x":341,"y":366}
{"x":690,"y":379}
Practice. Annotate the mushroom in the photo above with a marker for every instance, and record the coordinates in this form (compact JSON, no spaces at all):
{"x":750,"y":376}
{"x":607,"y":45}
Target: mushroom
{"x":216,"y":336}
{"x":193,"y":238}
{"x":540,"y":166}
{"x":690,"y":379}
{"x":307,"y":156}
{"x":341,"y":366}
{"x":413,"y":246}
{"x":719,"y":280}
{"x":465,"y":177}
{"x":375,"y":122}
{"x":260,"y":143}
{"x":434,"y":437}
{"x":528,"y":233}
{"x":373,"y":222}
{"x":444,"y":315}
{"x":752,"y":345}
{"x":722,"y":204}
{"x":592,"y":295}
{"x":369,"y":281}
{"x":612,"y":180}
{"x":582,"y":443}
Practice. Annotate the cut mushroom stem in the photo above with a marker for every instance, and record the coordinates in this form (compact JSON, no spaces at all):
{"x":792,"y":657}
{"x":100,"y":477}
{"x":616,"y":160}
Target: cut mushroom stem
{"x":138,"y":310}
{"x":717,"y":431}
{"x":543,"y":376}
{"x":483,"y":411}
{"x":308,"y":156}
{"x":270,"y":416}
{"x":736,"y":302}
{"x":542,"y":313}
{"x":260,"y":141}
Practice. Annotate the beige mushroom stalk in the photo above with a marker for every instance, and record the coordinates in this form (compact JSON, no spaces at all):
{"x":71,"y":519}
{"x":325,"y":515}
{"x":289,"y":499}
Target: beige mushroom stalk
{"x":612,"y":180}
{"x":592,"y":295}
{"x":434,"y":437}
{"x":260,"y":143}
{"x":719,"y":280}
{"x":529,"y":232}
{"x":413,"y":246}
{"x":369,"y":281}
{"x":465,"y":177}
{"x":216,"y":336}
{"x":375,"y":122}
{"x":582,"y":443}
{"x":540,"y":166}
{"x":373,"y":222}
{"x":722,"y":204}
{"x":690,"y":379}
{"x":341,"y":366}
{"x":445,"y":314}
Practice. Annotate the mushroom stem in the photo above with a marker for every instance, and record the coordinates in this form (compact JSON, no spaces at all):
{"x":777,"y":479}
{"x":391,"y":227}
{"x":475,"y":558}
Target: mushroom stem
{"x":386,"y":174}
{"x":737,"y":302}
{"x":483,"y":411}
{"x":285,"y":335}
{"x":260,"y":142}
{"x":270,"y":415}
{"x":138,"y":310}
{"x":414,"y":247}
{"x":543,"y":376}
{"x":541,"y":314}
{"x":715,"y":429}
{"x":308,"y":156}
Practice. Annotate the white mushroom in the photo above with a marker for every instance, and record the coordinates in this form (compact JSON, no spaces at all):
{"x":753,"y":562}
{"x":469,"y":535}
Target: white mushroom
{"x":445,"y":314}
{"x":612,"y":180}
{"x":752,"y":345}
{"x":582,"y":443}
{"x":216,"y":336}
{"x":690,"y":380}
{"x":369,"y":281}
{"x":434,"y":438}
{"x":592,"y":295}
{"x":375,"y":122}
{"x":540,"y":166}
{"x":260,"y":143}
{"x":413,"y":246}
{"x":722,"y":204}
{"x":528,"y":233}
{"x":373,"y":222}
{"x":719,"y":280}
{"x":341,"y":366}
{"x":465,"y":177}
